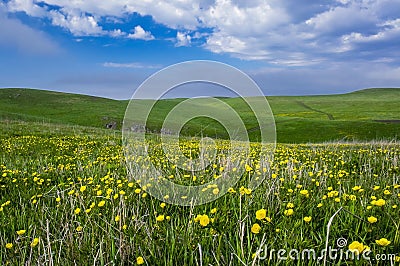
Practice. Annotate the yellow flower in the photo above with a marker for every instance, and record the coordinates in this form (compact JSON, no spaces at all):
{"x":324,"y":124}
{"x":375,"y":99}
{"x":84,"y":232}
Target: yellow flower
{"x":289,"y":212}
{"x":101,"y":203}
{"x":58,"y":199}
{"x":356,"y":247}
{"x":355,"y":188}
{"x":244,"y":190}
{"x":319,"y":205}
{"x":35,"y":242}
{"x":138,"y":190}
{"x":376,"y":187}
{"x":372,"y":219}
{"x":9,"y":245}
{"x":82,"y":189}
{"x":383,"y":242}
{"x":304,"y":192}
{"x":307,"y":219}
{"x":290,"y":205}
{"x":79,"y":228}
{"x":248,"y":168}
{"x":255,"y":229}
{"x":117,"y":218}
{"x":160,"y":218}
{"x":77,"y":210}
{"x":268,"y":219}
{"x":213,"y":211}
{"x":379,"y":202}
{"x":215,"y":191}
{"x":162,"y":205}
{"x":231,"y":190}
{"x":99,"y":192}
{"x":387,"y":192}
{"x":204,"y":220}
{"x":261,"y":214}
{"x":139,"y":260}
{"x":21,"y":232}
{"x":124,"y":227}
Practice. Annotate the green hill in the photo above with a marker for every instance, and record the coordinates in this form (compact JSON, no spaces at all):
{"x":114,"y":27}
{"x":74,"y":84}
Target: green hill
{"x":361,"y":115}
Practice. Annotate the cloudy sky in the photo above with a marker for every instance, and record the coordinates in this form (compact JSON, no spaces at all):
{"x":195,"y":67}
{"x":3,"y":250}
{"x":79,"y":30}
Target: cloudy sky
{"x":289,"y":47}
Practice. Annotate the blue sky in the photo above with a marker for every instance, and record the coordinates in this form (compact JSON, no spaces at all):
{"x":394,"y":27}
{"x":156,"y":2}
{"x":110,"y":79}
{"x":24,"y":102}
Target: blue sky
{"x":289,"y":47}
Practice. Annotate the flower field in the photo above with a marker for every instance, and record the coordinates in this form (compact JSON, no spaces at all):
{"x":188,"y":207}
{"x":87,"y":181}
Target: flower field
{"x":68,"y":200}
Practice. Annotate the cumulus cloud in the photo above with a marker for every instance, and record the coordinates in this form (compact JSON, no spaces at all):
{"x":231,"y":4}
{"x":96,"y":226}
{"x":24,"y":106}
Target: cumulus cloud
{"x":183,"y":39}
{"x":78,"y":24}
{"x":116,"y":33}
{"x":28,"y":6}
{"x":141,"y":34}
{"x":280,"y":32}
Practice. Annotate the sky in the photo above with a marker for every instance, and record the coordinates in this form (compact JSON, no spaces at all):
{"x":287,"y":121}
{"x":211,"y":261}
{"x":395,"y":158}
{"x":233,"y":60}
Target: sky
{"x":289,"y":47}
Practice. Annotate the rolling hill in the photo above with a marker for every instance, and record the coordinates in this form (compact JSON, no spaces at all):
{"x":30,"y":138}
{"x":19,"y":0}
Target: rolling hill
{"x":361,"y":115}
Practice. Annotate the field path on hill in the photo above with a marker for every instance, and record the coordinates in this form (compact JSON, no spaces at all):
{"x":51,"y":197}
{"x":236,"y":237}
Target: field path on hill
{"x":330,"y":116}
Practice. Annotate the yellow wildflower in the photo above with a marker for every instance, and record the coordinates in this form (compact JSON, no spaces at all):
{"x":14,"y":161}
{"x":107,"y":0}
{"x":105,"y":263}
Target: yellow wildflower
{"x":261,"y":214}
{"x":35,"y":242}
{"x":255,"y":229}
{"x":383,"y":242}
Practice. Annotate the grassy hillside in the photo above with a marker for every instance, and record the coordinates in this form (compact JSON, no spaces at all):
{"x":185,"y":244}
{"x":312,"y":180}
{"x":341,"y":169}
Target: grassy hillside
{"x":361,"y":115}
{"x":57,"y":107}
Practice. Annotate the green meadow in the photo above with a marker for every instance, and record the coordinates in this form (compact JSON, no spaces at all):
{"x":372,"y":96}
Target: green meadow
{"x":369,"y":114}
{"x":66,"y":197}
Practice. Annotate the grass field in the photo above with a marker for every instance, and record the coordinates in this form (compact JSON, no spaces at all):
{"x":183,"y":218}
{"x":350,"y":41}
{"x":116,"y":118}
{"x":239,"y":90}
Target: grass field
{"x":66,"y":197}
{"x":299,"y":119}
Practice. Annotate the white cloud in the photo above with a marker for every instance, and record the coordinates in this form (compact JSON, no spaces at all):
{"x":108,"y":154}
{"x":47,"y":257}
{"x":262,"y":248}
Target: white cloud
{"x":141,"y":34}
{"x":343,"y":19}
{"x":183,"y":39}
{"x":270,"y":30}
{"x":116,"y":33}
{"x":130,"y":65}
{"x":390,"y":31}
{"x":250,"y":20}
{"x":28,"y":6}
{"x":77,"y":23}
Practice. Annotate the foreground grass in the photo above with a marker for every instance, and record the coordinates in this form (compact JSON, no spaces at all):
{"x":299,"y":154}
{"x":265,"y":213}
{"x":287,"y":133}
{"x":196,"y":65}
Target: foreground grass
{"x":72,"y":199}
